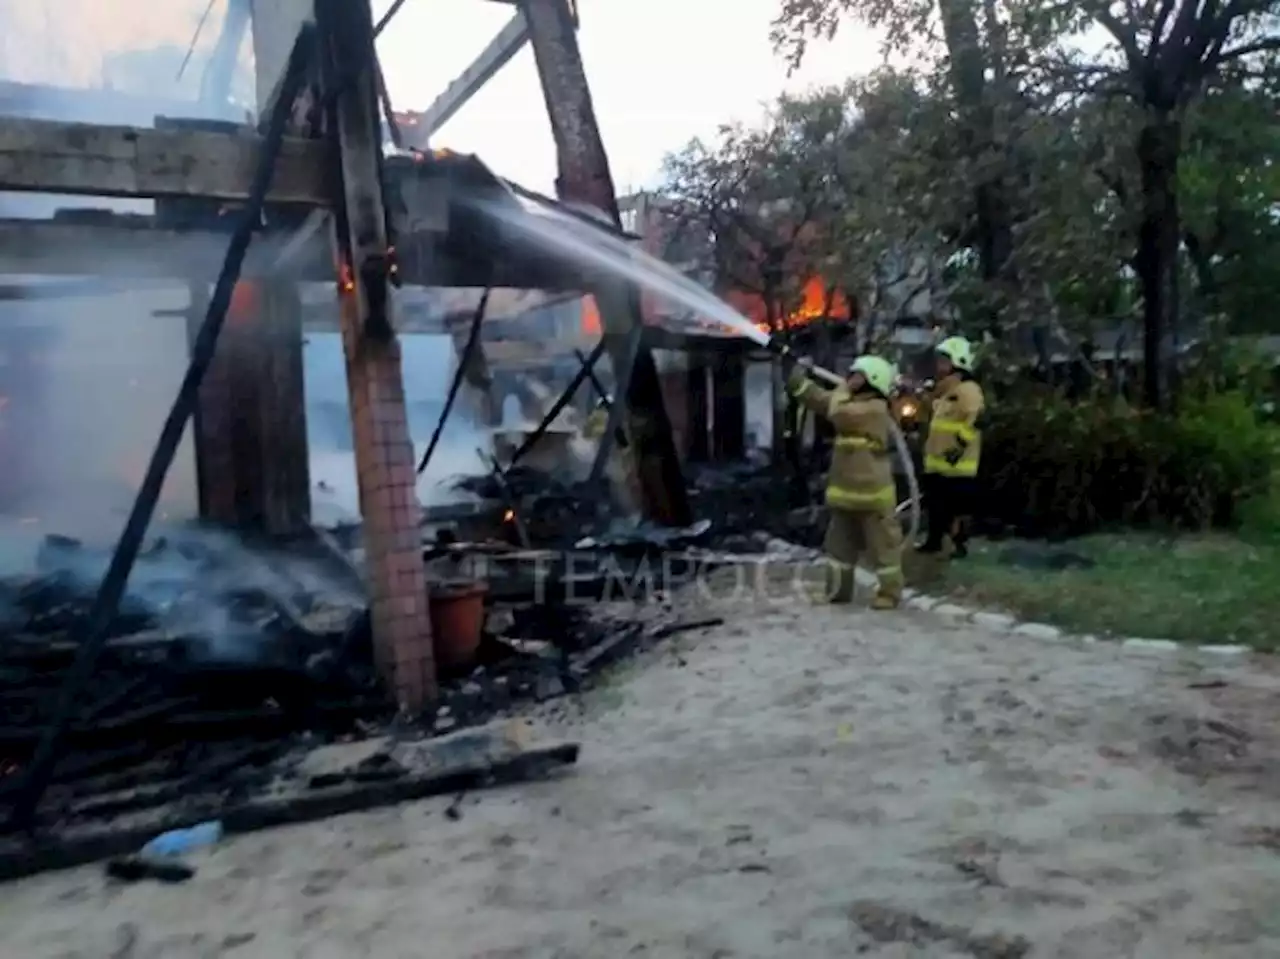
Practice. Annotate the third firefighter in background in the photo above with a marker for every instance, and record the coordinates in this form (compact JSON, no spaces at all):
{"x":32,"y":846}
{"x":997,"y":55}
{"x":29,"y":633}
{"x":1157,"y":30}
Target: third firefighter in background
{"x":953,"y":448}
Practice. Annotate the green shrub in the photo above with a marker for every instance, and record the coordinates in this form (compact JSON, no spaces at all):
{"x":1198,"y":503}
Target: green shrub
{"x":1053,"y":467}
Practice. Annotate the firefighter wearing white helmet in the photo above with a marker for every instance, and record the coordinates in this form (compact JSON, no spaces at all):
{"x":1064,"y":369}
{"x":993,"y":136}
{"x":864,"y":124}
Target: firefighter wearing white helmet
{"x":953,"y":448}
{"x":860,"y":496}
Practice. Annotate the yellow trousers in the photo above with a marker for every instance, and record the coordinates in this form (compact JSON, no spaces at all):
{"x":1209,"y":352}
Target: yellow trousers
{"x":857,"y":535}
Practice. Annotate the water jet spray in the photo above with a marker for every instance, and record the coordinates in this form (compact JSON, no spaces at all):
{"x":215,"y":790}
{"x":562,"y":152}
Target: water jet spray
{"x":577,"y":242}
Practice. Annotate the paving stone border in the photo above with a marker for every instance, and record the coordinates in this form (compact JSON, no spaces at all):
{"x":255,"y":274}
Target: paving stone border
{"x":1042,"y":632}
{"x":1003,"y":622}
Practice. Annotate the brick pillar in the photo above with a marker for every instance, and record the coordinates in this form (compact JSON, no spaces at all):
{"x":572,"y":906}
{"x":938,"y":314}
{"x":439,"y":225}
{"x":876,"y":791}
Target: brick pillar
{"x":387,"y":476}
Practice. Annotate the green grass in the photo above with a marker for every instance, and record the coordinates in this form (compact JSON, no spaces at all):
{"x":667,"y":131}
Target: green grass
{"x":1206,"y":589}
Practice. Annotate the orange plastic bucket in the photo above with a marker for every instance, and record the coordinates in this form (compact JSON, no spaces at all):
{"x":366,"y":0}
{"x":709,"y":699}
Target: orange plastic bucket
{"x":457,"y":619}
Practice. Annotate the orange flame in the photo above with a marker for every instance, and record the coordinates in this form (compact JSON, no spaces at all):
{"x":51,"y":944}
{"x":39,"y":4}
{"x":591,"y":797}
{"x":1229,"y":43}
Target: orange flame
{"x":508,"y":516}
{"x":346,"y":279}
{"x":590,"y":316}
{"x":813,"y":306}
{"x":244,"y":302}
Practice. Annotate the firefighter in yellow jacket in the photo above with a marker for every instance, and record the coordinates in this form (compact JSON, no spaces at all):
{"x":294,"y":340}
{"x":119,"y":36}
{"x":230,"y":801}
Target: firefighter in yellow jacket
{"x":861,"y":497}
{"x":953,"y":448}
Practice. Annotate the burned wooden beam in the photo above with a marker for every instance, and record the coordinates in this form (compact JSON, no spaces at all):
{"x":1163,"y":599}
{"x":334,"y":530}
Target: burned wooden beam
{"x":438,"y":242}
{"x":729,"y":408}
{"x":697,"y":402}
{"x":277,"y":476}
{"x":584,"y":178}
{"x":48,"y":156}
{"x":509,"y":41}
{"x":99,"y":243}
{"x":21,"y":857}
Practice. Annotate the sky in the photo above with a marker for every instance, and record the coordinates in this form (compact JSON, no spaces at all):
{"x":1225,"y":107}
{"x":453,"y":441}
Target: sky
{"x":661,"y":72}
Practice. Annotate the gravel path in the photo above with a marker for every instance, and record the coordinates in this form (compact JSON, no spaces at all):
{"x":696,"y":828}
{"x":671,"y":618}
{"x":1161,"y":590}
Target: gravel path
{"x":801,"y":782}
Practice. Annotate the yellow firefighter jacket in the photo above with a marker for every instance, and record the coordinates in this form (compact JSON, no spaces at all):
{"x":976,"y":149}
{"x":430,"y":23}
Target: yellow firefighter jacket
{"x":597,"y":422}
{"x":861,"y":476}
{"x":954,"y":444}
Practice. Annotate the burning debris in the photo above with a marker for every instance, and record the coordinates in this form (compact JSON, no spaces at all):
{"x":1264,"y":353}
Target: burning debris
{"x":217,"y":667}
{"x":223,"y":667}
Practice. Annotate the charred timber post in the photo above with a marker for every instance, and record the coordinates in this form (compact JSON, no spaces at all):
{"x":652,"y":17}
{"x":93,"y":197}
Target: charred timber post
{"x":273,"y":320}
{"x":584,"y":178}
{"x":213,"y":420}
{"x":697,"y":400}
{"x":729,"y":407}
{"x":252,"y":464}
{"x":384,"y":453}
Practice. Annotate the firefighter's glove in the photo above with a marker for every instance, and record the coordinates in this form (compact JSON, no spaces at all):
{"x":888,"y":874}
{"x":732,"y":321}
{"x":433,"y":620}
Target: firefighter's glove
{"x":954,"y":455}
{"x":798,"y":381}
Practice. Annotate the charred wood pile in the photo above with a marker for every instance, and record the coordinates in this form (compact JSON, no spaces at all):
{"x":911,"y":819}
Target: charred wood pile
{"x":224,"y":668}
{"x":733,"y":500}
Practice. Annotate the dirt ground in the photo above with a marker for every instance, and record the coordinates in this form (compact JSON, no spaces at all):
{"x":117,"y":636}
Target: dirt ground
{"x":801,"y":782}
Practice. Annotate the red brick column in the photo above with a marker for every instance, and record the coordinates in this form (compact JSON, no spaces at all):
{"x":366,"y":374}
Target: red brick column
{"x":387,"y":476}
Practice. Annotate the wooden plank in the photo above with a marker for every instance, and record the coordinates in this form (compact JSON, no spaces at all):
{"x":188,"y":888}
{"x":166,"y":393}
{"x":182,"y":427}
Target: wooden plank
{"x":48,"y":156}
{"x":729,"y":408}
{"x":509,"y":41}
{"x":131,"y":247}
{"x":697,"y":406}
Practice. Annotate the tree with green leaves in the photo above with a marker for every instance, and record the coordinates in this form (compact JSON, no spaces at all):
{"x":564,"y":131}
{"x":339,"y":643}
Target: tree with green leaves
{"x":761,"y":198}
{"x":1010,"y":67}
{"x":760,"y":195}
{"x":1229,"y":180}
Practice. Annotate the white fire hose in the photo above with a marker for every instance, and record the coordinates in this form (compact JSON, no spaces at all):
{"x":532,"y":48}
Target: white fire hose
{"x":899,"y":445}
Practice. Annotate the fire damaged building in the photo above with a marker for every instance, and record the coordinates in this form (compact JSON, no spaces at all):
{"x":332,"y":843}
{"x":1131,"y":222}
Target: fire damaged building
{"x":184,"y":341}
